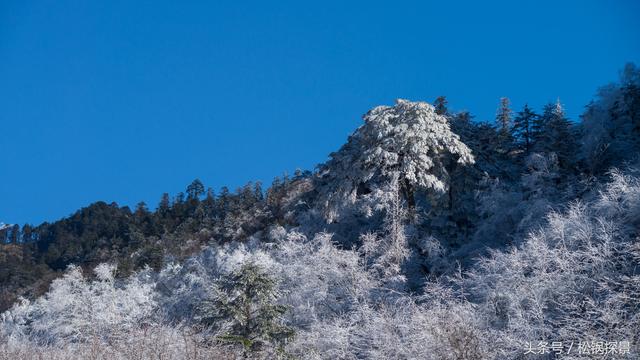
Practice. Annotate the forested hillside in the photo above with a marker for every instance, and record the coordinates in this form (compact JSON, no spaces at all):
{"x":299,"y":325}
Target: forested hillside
{"x":427,"y":235}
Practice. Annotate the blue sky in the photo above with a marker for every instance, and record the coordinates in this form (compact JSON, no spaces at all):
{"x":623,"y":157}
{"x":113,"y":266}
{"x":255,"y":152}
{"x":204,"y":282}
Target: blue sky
{"x":122,"y":101}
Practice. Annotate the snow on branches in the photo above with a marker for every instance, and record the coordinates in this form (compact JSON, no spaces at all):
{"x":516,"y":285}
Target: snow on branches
{"x":409,"y":139}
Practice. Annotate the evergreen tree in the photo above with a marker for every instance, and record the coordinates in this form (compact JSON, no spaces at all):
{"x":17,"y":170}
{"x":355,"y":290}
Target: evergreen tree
{"x":209,"y":203}
{"x":539,"y":124}
{"x":462,"y":124}
{"x":223,"y":203}
{"x":164,"y":205}
{"x":246,"y":300}
{"x":611,"y":124}
{"x":141,"y":211}
{"x":178,"y":199}
{"x":4,"y":234}
{"x":625,"y":110}
{"x":257,"y":191}
{"x":27,"y":233}
{"x":195,"y":190}
{"x":141,"y":208}
{"x":408,"y":139}
{"x":246,"y":196}
{"x":631,"y":96}
{"x":556,"y":135}
{"x":503,"y":121}
{"x":523,"y":128}
{"x":14,"y":236}
{"x":440,"y":104}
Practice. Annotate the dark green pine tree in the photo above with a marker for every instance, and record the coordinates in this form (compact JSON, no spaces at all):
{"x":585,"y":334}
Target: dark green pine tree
{"x":4,"y":234}
{"x":441,"y":105}
{"x":178,"y":200}
{"x":632,"y":95}
{"x":246,"y":300}
{"x":461,"y":124}
{"x":223,"y":202}
{"x":141,"y":210}
{"x":523,"y":128}
{"x":15,"y":234}
{"x":165,"y":205}
{"x":539,"y":124}
{"x":195,"y":190}
{"x":631,"y":99}
{"x":209,"y":203}
{"x":27,"y":233}
{"x":258,"y":193}
{"x":628,"y":104}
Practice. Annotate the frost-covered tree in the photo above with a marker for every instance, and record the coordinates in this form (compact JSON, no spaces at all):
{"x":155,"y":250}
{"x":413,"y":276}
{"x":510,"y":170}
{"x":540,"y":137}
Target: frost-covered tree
{"x":387,"y":251}
{"x":396,"y":251}
{"x":408,"y":138}
{"x":504,"y":121}
{"x":79,"y":310}
{"x":579,"y":270}
{"x":319,"y":280}
{"x":611,"y":124}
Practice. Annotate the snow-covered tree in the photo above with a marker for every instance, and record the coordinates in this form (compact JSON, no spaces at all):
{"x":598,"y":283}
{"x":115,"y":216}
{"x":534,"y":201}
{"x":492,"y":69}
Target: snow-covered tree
{"x":386,"y":251}
{"x":78,"y":310}
{"x":611,"y":124}
{"x":580,"y":269}
{"x":319,"y":280}
{"x":504,"y":122}
{"x":408,"y":138}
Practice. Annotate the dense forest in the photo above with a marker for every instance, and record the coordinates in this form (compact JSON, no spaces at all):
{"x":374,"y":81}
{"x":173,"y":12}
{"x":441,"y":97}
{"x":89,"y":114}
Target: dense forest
{"x":427,"y":235}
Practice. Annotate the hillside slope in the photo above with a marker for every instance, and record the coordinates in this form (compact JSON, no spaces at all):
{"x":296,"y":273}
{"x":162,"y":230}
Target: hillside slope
{"x":426,"y":235}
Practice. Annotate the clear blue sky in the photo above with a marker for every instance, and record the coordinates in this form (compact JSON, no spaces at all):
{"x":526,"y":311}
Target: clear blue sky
{"x":124,"y":100}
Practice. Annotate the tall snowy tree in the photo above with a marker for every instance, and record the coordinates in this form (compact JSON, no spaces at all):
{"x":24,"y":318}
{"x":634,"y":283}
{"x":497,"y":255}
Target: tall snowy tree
{"x":409,"y":139}
{"x":503,"y":120}
{"x":390,"y":250}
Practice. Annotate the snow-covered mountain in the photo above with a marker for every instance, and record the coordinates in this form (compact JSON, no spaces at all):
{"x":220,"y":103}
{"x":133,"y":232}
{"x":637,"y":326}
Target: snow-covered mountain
{"x":425,"y":236}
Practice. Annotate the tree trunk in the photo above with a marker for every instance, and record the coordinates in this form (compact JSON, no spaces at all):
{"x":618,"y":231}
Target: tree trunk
{"x":408,"y":194}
